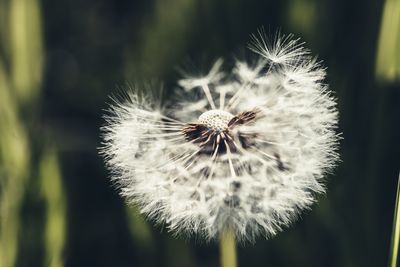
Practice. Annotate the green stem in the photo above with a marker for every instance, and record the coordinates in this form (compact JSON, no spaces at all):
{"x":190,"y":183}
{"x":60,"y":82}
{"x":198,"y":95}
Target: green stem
{"x":227,"y":245}
{"x":394,"y":248}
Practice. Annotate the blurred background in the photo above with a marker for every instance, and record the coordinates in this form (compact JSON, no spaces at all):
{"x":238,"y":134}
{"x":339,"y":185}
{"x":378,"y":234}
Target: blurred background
{"x":59,"y":62}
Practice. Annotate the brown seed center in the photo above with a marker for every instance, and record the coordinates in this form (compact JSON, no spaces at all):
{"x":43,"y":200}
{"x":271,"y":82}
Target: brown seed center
{"x":213,"y":132}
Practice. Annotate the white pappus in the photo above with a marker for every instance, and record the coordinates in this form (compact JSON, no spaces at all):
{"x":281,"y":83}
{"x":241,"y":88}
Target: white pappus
{"x":245,"y":150}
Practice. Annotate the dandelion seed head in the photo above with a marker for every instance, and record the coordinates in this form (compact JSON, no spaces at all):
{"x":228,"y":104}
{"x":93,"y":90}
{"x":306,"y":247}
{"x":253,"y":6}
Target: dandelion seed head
{"x":249,"y":154}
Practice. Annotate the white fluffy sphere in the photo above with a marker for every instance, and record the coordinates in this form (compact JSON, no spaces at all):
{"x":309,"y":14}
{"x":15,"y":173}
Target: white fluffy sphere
{"x":248,"y":155}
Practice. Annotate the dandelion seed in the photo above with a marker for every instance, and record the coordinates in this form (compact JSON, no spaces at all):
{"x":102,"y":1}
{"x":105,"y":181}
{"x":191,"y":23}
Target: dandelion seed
{"x":248,"y":155}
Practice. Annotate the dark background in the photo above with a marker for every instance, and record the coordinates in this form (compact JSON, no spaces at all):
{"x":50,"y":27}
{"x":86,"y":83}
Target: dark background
{"x":58,"y":205}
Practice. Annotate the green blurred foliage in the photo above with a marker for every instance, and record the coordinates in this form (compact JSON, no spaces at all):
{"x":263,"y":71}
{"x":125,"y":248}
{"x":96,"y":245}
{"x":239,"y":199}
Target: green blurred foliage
{"x":59,"y":61}
{"x":395,"y":242}
{"x":51,"y":188}
{"x":22,"y":175}
{"x":388,"y":56}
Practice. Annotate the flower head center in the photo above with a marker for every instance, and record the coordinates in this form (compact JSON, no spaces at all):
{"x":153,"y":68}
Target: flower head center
{"x":214,"y":131}
{"x":216,"y":120}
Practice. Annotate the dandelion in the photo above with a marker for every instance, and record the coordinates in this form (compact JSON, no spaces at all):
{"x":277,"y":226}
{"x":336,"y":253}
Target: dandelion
{"x":245,"y":151}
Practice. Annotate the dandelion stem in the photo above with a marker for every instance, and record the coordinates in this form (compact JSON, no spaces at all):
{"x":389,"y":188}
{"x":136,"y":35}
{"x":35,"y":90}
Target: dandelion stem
{"x":227,"y":247}
{"x":394,"y":248}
